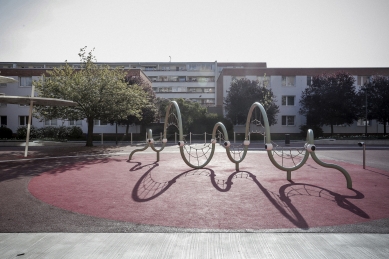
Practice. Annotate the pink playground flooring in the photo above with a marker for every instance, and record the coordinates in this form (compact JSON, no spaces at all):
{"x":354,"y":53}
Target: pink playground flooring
{"x":169,"y":193}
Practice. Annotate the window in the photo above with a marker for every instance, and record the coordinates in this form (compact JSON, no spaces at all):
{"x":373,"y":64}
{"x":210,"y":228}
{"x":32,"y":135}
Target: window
{"x":209,"y":90}
{"x":362,"y":122}
{"x":75,"y":123}
{"x":26,"y":81}
{"x":192,"y":67}
{"x":3,"y":84}
{"x":51,"y":122}
{"x":309,"y":80}
{"x":165,"y":89}
{"x":287,"y":120}
{"x":288,"y":80}
{"x":99,"y":123}
{"x":23,"y":120}
{"x":288,"y":100}
{"x":195,"y":89}
{"x":362,"y":80}
{"x":3,"y":120}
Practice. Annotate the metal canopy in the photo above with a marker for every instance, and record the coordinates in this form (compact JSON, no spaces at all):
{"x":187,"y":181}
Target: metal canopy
{"x":36,"y":101}
{"x":31,"y":101}
{"x":4,"y":79}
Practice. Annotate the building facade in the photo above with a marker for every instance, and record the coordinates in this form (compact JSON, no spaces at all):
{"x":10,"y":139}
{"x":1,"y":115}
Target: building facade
{"x":204,"y":82}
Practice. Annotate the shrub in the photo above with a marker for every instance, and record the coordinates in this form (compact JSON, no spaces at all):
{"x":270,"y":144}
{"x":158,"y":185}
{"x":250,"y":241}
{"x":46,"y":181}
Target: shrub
{"x":74,"y":132}
{"x":21,"y":132}
{"x":5,"y":132}
{"x":50,"y":132}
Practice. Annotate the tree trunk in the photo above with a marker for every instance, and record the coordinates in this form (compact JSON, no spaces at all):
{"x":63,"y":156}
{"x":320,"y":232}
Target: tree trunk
{"x":127,"y":128}
{"x":89,"y":138}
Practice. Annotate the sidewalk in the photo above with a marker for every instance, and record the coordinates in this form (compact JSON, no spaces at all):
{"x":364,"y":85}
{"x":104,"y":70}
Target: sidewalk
{"x":201,"y":245}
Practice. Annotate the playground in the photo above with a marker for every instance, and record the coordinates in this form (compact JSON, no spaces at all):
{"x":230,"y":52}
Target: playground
{"x":215,"y":187}
{"x":211,"y":186}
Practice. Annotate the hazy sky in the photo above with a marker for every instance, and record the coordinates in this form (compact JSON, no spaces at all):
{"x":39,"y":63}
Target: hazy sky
{"x":283,"y":33}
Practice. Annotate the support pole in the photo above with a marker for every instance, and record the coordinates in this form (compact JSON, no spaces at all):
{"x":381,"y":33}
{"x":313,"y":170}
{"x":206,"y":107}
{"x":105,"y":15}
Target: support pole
{"x":29,"y":122}
{"x":364,"y":156}
{"x":234,"y":137}
{"x":190,"y":138}
{"x":131,"y":138}
{"x":205,"y":137}
{"x":102,"y":138}
{"x":175,"y":137}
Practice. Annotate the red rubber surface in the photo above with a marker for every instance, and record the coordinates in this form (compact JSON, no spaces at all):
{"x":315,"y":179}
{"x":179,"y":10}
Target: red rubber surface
{"x":169,"y":193}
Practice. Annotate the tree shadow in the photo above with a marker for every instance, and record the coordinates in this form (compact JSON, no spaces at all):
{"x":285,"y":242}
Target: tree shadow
{"x":147,"y":189}
{"x":14,"y":170}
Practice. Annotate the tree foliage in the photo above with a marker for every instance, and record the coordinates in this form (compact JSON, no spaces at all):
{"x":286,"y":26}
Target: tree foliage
{"x":149,"y":111}
{"x":195,"y":117}
{"x":242,"y":94}
{"x":376,"y":93}
{"x":100,"y":92}
{"x":331,"y":100}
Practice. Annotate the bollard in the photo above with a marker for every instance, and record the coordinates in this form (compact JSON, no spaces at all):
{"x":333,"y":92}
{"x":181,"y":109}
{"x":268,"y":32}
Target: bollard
{"x":362,"y":144}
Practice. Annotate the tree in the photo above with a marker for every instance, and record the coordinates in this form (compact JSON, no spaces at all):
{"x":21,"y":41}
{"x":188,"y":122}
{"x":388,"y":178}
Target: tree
{"x":149,"y":111}
{"x":100,"y":92}
{"x":376,"y":94}
{"x":195,"y":117}
{"x":242,"y":94}
{"x":331,"y":99}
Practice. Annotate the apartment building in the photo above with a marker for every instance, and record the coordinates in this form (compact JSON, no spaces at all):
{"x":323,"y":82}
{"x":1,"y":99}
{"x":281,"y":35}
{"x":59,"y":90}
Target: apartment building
{"x":204,"y":82}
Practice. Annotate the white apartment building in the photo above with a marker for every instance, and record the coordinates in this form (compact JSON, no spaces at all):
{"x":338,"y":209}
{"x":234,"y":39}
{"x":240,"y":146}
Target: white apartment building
{"x":204,"y":82}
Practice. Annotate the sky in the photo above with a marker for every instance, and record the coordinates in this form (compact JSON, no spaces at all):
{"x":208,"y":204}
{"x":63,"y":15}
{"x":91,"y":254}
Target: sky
{"x":282,"y":33}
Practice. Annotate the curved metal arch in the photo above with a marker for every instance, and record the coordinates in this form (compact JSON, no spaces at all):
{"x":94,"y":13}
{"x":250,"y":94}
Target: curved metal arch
{"x":309,"y":139}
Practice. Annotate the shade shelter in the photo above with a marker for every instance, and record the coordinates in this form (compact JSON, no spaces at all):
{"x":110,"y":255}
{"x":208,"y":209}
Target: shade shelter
{"x":31,"y":101}
{"x":4,"y":79}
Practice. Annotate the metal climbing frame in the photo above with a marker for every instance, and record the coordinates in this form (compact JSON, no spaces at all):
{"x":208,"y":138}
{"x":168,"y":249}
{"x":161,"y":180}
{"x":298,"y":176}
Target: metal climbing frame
{"x":309,"y":146}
